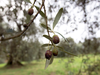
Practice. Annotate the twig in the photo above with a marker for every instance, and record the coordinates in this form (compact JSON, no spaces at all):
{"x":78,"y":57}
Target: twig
{"x":46,"y":20}
{"x":46,"y":23}
{"x":33,"y":4}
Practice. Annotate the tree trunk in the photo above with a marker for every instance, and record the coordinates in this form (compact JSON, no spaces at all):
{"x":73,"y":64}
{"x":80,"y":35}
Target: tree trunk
{"x":13,"y":63}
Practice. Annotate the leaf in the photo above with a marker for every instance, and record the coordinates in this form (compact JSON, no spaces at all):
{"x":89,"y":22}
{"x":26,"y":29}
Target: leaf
{"x":47,"y":63}
{"x":28,"y":1}
{"x":44,"y":45}
{"x":41,"y":13}
{"x":51,"y":60}
{"x":62,"y":36}
{"x":62,"y":49}
{"x":48,"y":37}
{"x":57,"y":17}
{"x":44,"y":26}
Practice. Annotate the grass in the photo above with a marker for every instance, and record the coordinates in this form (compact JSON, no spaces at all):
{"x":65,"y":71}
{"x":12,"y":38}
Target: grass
{"x":60,"y":66}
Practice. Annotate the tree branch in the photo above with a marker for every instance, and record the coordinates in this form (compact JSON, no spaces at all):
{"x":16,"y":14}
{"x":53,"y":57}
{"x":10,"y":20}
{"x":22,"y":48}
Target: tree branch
{"x":21,"y":33}
{"x":46,"y":20}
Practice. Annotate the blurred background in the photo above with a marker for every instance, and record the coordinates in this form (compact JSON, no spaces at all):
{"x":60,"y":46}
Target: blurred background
{"x":79,"y":24}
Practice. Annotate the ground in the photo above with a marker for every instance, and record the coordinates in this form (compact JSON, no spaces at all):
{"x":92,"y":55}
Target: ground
{"x":60,"y":66}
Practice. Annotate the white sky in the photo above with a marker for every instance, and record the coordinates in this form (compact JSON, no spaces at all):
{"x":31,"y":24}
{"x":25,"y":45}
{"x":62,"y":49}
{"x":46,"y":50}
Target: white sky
{"x":77,"y":35}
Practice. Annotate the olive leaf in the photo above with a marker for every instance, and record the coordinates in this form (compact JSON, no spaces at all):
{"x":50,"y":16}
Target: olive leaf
{"x":41,"y":13}
{"x":44,"y":26}
{"x":48,"y":37}
{"x":45,"y":45}
{"x":47,"y":63}
{"x":62,"y":49}
{"x":51,"y":59}
{"x":57,"y":17}
{"x":62,"y":36}
{"x":28,"y":1}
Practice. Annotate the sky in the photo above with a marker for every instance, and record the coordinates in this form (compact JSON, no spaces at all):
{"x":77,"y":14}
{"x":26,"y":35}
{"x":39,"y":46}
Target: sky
{"x":77,"y":35}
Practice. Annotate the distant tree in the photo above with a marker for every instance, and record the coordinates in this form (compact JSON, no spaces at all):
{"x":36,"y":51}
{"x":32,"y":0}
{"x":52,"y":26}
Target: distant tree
{"x":13,"y":26}
{"x":91,"y":46}
{"x":69,"y":46}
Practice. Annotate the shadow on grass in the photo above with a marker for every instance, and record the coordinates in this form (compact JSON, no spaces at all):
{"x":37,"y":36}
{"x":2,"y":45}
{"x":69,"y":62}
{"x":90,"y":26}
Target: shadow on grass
{"x":25,"y":65}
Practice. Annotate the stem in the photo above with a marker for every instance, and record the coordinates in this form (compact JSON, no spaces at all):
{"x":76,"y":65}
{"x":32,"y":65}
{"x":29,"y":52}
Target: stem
{"x":46,"y":23}
{"x":46,"y":20}
{"x":33,"y":4}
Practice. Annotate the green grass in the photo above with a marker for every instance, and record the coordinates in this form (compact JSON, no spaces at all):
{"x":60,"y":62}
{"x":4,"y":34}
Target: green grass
{"x":60,"y":66}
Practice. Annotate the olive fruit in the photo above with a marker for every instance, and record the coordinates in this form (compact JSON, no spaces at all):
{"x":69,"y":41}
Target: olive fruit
{"x":30,"y":11}
{"x":55,"y":39}
{"x":55,"y":52}
{"x":48,"y":54}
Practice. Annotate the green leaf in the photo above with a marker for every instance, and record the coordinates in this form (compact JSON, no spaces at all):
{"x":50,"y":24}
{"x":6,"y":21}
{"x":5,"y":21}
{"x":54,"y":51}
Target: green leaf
{"x":47,"y":63}
{"x":28,"y":1}
{"x":48,"y":37}
{"x":41,"y":13}
{"x":62,"y":36}
{"x":51,"y":60}
{"x":45,"y":45}
{"x":57,"y":17}
{"x":44,"y":26}
{"x":62,"y":49}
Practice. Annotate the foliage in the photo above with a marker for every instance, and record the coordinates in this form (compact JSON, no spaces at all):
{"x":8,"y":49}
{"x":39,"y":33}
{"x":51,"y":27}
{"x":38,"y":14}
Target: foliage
{"x":89,"y":46}
{"x":29,"y":51}
{"x":25,"y":27}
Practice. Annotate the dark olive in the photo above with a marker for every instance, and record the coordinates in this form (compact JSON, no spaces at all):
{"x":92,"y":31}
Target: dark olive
{"x":55,"y":39}
{"x":48,"y":54}
{"x":30,"y":11}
